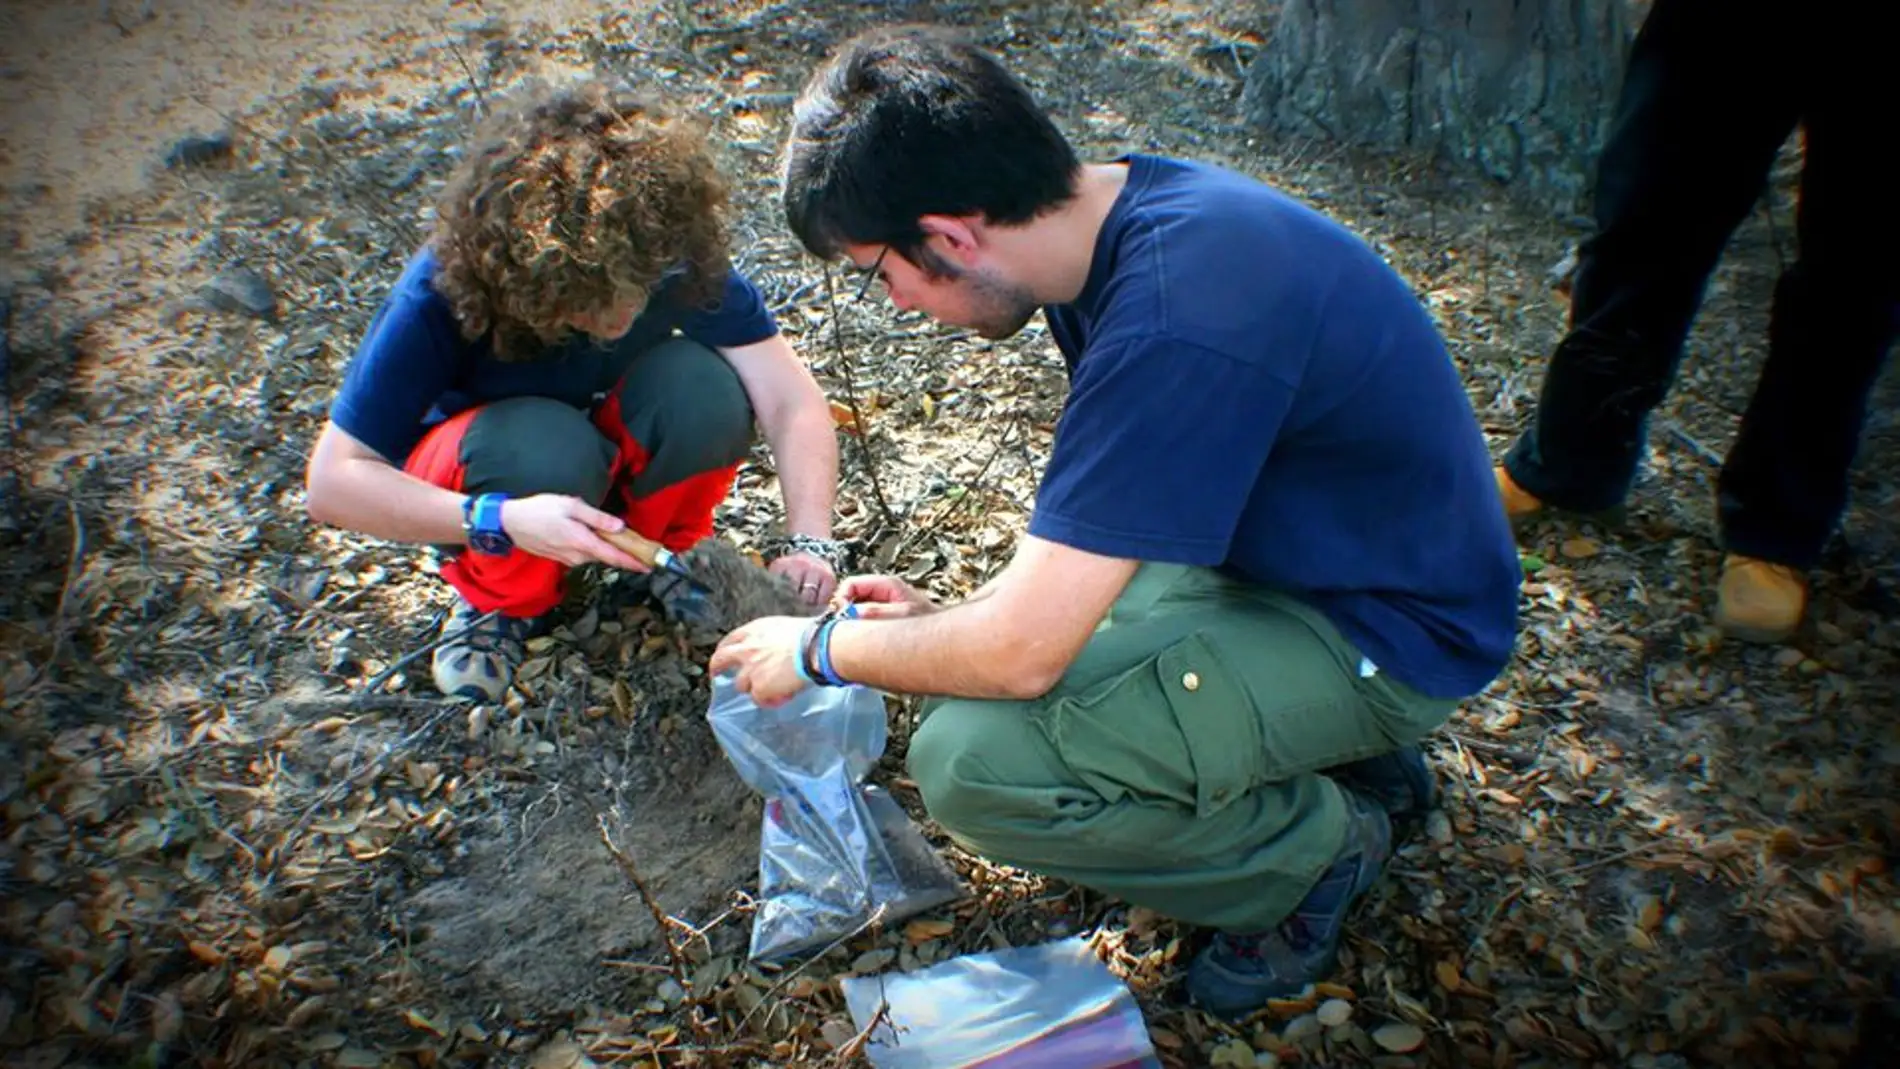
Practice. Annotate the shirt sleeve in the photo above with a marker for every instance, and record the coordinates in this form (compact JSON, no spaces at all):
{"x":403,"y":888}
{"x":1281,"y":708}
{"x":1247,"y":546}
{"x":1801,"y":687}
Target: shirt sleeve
{"x":408,"y":358}
{"x":737,"y":317}
{"x":1157,"y":452}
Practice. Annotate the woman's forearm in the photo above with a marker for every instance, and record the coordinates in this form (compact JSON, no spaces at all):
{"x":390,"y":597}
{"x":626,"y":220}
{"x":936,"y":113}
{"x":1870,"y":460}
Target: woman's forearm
{"x":805,"y":450}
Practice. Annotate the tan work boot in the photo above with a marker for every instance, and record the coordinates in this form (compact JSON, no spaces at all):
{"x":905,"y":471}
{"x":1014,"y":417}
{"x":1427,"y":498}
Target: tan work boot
{"x":1759,"y":601}
{"x":1519,"y":503}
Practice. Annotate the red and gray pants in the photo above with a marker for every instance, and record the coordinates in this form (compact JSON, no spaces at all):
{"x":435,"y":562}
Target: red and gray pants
{"x":660,"y":450}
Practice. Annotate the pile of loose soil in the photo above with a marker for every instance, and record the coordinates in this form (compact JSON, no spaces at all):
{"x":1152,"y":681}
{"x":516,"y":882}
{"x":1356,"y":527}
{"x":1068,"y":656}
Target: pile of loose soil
{"x":532,"y":907}
{"x":740,"y":590}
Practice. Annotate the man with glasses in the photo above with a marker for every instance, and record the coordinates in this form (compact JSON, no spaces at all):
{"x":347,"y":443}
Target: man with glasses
{"x":1267,"y":556}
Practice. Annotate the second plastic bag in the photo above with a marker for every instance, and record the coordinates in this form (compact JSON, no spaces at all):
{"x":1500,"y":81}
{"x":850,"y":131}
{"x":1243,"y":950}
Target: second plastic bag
{"x":1053,"y":1006}
{"x":832,"y":849}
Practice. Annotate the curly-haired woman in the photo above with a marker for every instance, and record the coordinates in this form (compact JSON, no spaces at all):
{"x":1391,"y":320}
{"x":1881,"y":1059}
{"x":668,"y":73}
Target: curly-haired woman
{"x":570,"y":353}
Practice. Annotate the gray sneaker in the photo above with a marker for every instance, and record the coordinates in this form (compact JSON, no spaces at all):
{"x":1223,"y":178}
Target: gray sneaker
{"x":480,"y":662}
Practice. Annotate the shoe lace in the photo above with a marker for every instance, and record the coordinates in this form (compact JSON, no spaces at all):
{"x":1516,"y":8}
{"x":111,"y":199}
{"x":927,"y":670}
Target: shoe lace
{"x":497,"y":635}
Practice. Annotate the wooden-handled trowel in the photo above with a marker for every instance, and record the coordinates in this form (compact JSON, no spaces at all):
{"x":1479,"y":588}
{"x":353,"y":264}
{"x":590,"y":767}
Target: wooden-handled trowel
{"x":690,"y":597}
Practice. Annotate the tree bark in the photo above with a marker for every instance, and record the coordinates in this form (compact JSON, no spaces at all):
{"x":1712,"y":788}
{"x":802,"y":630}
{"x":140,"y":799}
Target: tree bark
{"x":1518,"y":90}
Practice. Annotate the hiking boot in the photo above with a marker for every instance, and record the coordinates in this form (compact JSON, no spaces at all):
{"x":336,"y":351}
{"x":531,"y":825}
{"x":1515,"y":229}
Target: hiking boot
{"x":1238,"y":973}
{"x":1759,"y":601}
{"x":1519,"y":503}
{"x":480,"y":662}
{"x":1400,"y":781}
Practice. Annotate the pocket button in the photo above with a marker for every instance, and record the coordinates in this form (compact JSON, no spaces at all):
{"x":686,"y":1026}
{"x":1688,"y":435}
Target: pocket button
{"x":1190,"y":682}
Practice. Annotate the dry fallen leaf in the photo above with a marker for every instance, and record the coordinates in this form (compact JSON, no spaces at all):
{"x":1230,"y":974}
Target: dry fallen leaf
{"x":562,"y":1053}
{"x":846,"y":421}
{"x":168,"y":1018}
{"x":1580,"y":548}
{"x":1334,"y":1012}
{"x":1448,"y":975}
{"x":923,"y":930}
{"x":836,"y":1032}
{"x":415,"y":1019}
{"x":1399,"y":1037}
{"x":1234,"y":1052}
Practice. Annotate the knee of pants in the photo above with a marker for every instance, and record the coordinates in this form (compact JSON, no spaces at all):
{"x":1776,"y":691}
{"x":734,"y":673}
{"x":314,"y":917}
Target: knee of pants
{"x":535,"y":445}
{"x":685,"y":407}
{"x":960,"y":792}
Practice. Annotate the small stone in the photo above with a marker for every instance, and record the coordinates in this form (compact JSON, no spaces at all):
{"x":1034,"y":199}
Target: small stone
{"x":241,"y":290}
{"x":1334,"y":1012}
{"x":670,"y":992}
{"x":197,"y":150}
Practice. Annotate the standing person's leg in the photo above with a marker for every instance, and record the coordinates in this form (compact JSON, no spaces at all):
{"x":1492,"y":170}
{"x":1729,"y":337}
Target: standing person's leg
{"x":520,"y":447}
{"x":1831,"y":328}
{"x":1177,"y":765}
{"x":682,"y":424}
{"x":1700,"y":116}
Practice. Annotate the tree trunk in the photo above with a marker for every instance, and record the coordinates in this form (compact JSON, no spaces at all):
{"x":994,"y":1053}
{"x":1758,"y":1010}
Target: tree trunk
{"x":1518,"y":90}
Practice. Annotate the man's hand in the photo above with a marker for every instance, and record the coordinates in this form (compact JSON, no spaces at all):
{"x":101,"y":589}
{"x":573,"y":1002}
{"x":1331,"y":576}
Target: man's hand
{"x":883,"y":597}
{"x":811,"y":577}
{"x":763,"y":655}
{"x":564,"y":529}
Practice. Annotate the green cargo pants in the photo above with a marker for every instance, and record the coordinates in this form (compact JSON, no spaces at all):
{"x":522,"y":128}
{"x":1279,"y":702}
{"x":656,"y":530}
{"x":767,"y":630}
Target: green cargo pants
{"x":1177,"y":763}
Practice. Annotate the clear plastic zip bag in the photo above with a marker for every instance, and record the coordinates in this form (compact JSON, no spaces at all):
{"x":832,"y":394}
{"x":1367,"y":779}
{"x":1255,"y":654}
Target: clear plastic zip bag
{"x":833,"y":850}
{"x":1052,"y":1006}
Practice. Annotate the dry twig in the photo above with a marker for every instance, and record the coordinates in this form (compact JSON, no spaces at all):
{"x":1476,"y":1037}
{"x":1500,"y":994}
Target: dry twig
{"x":843,"y":1055}
{"x":674,"y":954}
{"x":845,"y":370}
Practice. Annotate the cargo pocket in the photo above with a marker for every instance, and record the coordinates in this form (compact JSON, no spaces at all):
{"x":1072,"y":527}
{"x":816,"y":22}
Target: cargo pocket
{"x":1177,"y":728}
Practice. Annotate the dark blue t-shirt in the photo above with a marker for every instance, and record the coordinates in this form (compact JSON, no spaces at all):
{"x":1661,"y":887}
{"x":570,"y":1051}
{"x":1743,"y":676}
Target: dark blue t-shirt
{"x":413,"y":368}
{"x":1253,"y":388}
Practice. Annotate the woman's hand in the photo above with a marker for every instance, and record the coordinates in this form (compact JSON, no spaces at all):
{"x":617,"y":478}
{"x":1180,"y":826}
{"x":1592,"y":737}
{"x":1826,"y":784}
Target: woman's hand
{"x":809,"y":576}
{"x":564,"y":529}
{"x":883,"y":597}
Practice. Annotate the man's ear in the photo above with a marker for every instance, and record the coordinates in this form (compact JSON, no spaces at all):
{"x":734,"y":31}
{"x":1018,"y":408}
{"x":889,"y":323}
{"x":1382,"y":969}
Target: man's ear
{"x":956,"y":238}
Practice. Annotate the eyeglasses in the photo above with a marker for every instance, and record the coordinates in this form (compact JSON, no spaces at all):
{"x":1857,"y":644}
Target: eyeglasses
{"x":871,"y":272}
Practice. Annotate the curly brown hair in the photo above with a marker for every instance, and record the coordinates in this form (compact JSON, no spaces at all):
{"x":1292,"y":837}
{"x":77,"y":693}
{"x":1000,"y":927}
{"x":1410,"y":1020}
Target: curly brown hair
{"x":576,"y":199}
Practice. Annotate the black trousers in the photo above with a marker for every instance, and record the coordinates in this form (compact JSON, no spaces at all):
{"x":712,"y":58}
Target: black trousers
{"x":1713,"y":88}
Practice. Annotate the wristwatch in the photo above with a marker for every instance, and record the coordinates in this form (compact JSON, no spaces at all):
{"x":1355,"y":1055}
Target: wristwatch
{"x":481,"y":522}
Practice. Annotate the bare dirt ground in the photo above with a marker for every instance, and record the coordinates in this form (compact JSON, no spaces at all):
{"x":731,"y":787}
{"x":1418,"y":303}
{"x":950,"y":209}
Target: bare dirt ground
{"x":239,"y":832}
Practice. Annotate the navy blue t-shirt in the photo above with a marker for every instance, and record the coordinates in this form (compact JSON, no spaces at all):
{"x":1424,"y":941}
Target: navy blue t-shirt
{"x":1253,"y":388}
{"x":413,"y":368}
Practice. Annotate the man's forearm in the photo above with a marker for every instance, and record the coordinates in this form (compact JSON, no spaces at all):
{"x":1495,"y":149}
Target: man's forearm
{"x":964,"y":651}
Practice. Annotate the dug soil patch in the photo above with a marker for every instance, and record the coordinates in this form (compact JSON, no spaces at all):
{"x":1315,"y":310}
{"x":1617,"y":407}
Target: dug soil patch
{"x":534,"y":906}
